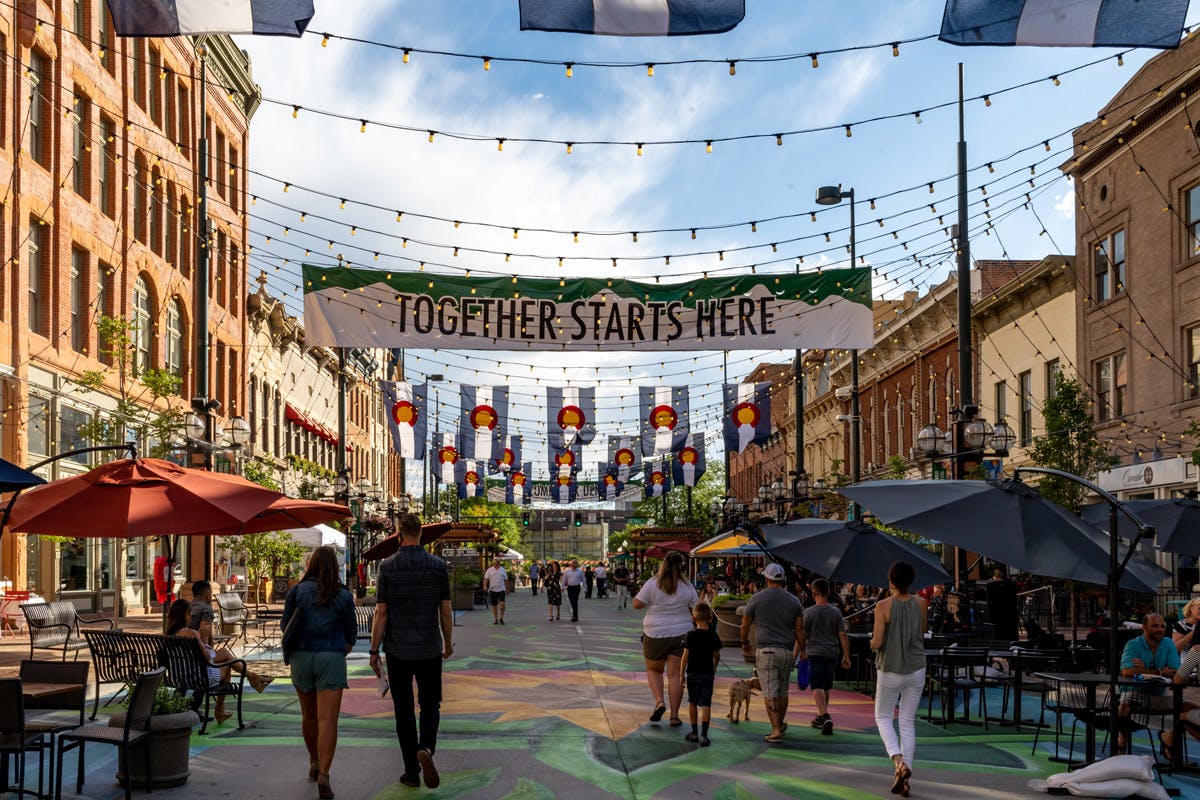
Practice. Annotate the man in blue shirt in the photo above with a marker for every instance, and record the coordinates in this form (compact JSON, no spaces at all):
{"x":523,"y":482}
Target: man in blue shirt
{"x":1151,"y":654}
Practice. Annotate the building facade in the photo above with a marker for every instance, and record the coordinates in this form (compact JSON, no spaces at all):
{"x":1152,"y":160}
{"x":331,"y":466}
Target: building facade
{"x":760,"y":465}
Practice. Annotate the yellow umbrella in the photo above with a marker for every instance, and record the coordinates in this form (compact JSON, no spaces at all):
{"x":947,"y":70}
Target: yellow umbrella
{"x":722,"y":541}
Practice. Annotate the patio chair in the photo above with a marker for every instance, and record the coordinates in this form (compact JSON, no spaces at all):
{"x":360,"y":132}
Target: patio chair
{"x":962,"y":669}
{"x":60,"y":711}
{"x":55,"y":626}
{"x":15,"y":739}
{"x":136,"y":730}
{"x":235,"y":618}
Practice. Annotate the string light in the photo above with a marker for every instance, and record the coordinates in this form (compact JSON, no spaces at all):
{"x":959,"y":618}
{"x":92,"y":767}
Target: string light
{"x":570,"y":69}
{"x":917,"y":117}
{"x":895,"y":49}
{"x":815,"y":62}
{"x":733,"y":68}
{"x":1056,"y":81}
{"x":406,"y":51}
{"x":295,"y":112}
{"x":500,"y":145}
{"x":639,"y":148}
{"x":569,"y":145}
{"x":708,"y":146}
{"x":649,"y":70}
{"x":779,"y":139}
{"x":987,"y":101}
{"x":487,"y":63}
{"x":362,"y":128}
{"x":848,"y":133}
{"x":325,"y":40}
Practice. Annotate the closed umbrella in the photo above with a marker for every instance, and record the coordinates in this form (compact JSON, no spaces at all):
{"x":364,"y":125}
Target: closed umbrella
{"x":849,"y":551}
{"x":1177,"y":520}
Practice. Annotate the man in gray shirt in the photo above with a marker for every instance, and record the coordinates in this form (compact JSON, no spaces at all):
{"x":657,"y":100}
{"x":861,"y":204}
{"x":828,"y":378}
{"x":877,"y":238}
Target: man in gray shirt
{"x":824,"y":631}
{"x":779,"y":616}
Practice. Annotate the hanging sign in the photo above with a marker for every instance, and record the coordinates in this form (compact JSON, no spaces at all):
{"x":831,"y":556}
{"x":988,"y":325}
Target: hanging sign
{"x":349,"y":307}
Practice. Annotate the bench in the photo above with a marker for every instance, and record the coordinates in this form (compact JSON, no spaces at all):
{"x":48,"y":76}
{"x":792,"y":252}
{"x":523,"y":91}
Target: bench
{"x":234,"y":617}
{"x":365,"y":616}
{"x":120,"y":657}
{"x":55,"y":626}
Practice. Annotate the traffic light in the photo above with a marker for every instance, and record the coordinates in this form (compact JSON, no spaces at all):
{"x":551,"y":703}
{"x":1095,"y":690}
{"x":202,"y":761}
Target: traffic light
{"x":578,"y":522}
{"x":525,"y":519}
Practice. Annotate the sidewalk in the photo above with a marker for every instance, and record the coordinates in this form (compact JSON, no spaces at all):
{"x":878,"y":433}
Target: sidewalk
{"x":538,"y":709}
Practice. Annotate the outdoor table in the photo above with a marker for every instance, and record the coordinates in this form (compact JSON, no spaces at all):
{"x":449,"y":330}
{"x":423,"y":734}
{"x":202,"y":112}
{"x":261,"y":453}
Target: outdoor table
{"x":32,"y":691}
{"x":1019,"y":661}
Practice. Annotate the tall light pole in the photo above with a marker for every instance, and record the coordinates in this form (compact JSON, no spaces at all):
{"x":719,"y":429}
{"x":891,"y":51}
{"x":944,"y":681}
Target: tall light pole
{"x":831,"y":196}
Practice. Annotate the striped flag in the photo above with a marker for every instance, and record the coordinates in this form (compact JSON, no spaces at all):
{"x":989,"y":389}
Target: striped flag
{"x":658,"y":478}
{"x":190,"y":17}
{"x":565,"y":461}
{"x":564,"y":489}
{"x":445,"y":457}
{"x":516,"y":485}
{"x":632,"y":17}
{"x":570,"y":415}
{"x":510,"y":459}
{"x":1065,"y":23}
{"x":484,"y":410}
{"x":609,"y":486}
{"x":688,"y":463}
{"x":406,"y":406}
{"x":468,"y":474}
{"x":625,"y":456}
{"x":664,"y":419}
{"x":747,"y":415}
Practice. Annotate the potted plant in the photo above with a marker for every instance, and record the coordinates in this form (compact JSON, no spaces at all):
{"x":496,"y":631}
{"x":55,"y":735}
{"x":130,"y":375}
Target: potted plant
{"x":171,"y":722}
{"x":729,"y":621}
{"x":465,"y":581}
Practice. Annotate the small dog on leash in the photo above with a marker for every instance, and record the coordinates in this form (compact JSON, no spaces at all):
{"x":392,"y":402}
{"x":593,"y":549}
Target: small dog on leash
{"x":739,"y":697}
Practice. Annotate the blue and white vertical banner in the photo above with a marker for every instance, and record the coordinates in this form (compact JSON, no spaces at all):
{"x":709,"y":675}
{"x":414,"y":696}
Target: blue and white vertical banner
{"x":469,"y":477}
{"x":609,"y":486}
{"x":1065,"y":23}
{"x":688,"y":463}
{"x":570,"y":415}
{"x":564,"y":489}
{"x":190,"y":17}
{"x":510,"y":459}
{"x":484,"y":411}
{"x":517,"y":485}
{"x":445,"y":456}
{"x":658,"y":478}
{"x":747,"y":414}
{"x":663,"y":414}
{"x":565,"y":461}
{"x":406,"y":407}
{"x":625,"y":456}
{"x":632,"y":17}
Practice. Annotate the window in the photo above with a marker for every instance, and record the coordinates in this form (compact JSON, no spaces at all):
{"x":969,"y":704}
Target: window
{"x":72,"y":425}
{"x":931,"y":411}
{"x":102,"y":298}
{"x":142,"y":333}
{"x":171,"y":227}
{"x":79,"y":20}
{"x":900,"y":424}
{"x":184,"y":111}
{"x":1193,"y":221}
{"x":81,"y":167}
{"x":219,"y":163}
{"x":234,"y":180}
{"x":39,"y":426}
{"x":39,"y":115}
{"x":79,"y":315}
{"x":4,"y":93}
{"x":108,"y":166}
{"x":39,"y":259}
{"x":887,"y":430}
{"x":1111,"y":386}
{"x":1025,"y":392}
{"x":140,"y":199}
{"x":156,"y":211}
{"x":174,"y":354}
{"x":139,"y":73}
{"x":1109,"y":264}
{"x":950,"y":402}
{"x":155,"y":82}
{"x":106,"y":41}
{"x":1001,"y":401}
{"x":1193,"y":351}
{"x":1053,"y":370}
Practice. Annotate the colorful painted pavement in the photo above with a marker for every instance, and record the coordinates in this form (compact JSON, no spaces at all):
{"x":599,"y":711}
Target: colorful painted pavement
{"x":536,"y":710}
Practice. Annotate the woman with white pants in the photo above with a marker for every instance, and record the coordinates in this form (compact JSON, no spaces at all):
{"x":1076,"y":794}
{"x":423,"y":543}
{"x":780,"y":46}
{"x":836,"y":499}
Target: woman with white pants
{"x":899,"y":644}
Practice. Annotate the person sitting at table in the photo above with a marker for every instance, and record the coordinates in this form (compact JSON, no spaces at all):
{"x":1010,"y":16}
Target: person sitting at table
{"x":1148,"y":655}
{"x":1188,"y":666}
{"x":1183,"y":632}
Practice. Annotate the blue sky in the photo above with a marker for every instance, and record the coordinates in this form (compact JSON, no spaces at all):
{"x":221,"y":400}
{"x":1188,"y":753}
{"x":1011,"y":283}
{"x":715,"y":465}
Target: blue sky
{"x":612,"y":189}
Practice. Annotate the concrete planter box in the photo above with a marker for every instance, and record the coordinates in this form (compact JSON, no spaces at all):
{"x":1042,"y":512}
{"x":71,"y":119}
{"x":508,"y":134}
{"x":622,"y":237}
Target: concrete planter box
{"x":169,"y":747}
{"x":464,"y":598}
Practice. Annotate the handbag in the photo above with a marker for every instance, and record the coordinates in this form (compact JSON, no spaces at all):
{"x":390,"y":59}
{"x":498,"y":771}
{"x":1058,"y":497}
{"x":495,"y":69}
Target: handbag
{"x":801,"y":673}
{"x":290,"y":640}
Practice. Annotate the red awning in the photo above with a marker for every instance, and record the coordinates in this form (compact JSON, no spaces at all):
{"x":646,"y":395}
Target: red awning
{"x":298,"y":417}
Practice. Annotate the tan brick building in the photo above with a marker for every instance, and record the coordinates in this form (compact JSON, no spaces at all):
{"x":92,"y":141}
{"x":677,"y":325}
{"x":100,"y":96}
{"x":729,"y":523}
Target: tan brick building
{"x":99,"y":136}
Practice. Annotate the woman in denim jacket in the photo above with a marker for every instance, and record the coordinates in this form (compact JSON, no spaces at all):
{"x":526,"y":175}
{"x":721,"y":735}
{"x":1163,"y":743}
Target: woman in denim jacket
{"x":328,"y":631}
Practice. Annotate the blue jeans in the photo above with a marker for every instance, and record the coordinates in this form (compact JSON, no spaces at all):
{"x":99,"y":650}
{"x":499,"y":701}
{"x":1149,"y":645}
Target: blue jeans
{"x":428,"y":674}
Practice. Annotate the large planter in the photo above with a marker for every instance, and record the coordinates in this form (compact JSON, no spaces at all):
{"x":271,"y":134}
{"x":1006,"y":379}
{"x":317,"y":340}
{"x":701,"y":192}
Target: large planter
{"x":464,"y":598}
{"x":510,"y":585}
{"x":729,"y":622}
{"x":169,"y":747}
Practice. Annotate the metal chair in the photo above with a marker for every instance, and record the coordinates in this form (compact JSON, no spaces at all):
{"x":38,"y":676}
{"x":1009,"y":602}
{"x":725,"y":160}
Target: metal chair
{"x":51,"y":715}
{"x":15,"y":740}
{"x":135,"y":731}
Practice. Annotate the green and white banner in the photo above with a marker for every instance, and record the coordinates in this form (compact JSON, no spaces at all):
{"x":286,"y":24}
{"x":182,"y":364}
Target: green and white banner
{"x":348,"y":307}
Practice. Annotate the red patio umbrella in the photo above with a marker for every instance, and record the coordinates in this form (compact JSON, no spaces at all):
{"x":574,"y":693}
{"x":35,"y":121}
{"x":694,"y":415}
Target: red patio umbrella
{"x":288,"y":513}
{"x":660,"y":549}
{"x":385,"y":548}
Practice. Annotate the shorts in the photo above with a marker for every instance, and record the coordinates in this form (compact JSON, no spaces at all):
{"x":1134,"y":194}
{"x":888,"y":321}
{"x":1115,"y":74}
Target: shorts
{"x":314,"y":672}
{"x":700,"y":690}
{"x":654,"y":649}
{"x":774,"y":665}
{"x":821,"y":672}
{"x":496,"y":598}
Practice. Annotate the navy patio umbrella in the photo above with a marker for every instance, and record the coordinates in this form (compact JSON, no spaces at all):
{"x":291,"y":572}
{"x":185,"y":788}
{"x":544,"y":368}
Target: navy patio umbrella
{"x":1177,"y":520}
{"x":14,"y":478}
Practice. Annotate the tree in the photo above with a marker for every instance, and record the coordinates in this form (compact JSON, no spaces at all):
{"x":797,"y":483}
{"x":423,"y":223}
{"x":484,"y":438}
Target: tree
{"x":265,"y":553}
{"x":711,"y":486}
{"x":501,"y":516}
{"x":1069,"y":444}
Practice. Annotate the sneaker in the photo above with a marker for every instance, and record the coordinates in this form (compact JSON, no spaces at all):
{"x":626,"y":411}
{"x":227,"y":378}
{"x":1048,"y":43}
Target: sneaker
{"x":827,"y":728}
{"x":692,"y":736}
{"x":501,"y":622}
{"x":411,"y":779}
{"x":428,"y":771}
{"x":818,"y":721}
{"x":704,"y":742}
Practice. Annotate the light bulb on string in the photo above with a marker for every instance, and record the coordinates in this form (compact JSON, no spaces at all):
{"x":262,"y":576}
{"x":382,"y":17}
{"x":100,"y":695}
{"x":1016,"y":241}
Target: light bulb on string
{"x":570,"y":69}
{"x":649,"y":70}
{"x":708,"y":146}
{"x":987,"y":101}
{"x":895,"y":49}
{"x":815,"y":62}
{"x":779,"y":139}
{"x":406,"y":52}
{"x":733,"y":68}
{"x":487,"y":63}
{"x":569,"y":145}
{"x":363,"y":127}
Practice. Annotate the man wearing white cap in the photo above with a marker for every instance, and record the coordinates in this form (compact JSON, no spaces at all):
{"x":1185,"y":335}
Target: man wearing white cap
{"x":780,"y":618}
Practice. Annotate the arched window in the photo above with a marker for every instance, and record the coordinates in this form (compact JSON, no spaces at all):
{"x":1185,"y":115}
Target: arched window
{"x":140,"y":197}
{"x":914,"y":413}
{"x":900,"y":424}
{"x":887,"y":430}
{"x":171,"y":228}
{"x":931,"y":411}
{"x":174,"y":354}
{"x":156,"y":209}
{"x":186,"y":242}
{"x":950,"y":389}
{"x":143,"y":335}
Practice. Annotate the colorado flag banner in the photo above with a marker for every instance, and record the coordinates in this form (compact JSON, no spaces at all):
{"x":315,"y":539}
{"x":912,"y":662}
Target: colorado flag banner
{"x":484,"y":410}
{"x":516,"y":486}
{"x":658,"y":478}
{"x":564,"y":489}
{"x":664,"y":419}
{"x":188,"y":17}
{"x":609,"y":486}
{"x":1065,"y":23}
{"x":625,"y":456}
{"x":510,"y":459}
{"x":469,"y":477}
{"x":632,"y":17}
{"x":689,"y":464}
{"x":565,"y":461}
{"x":406,"y":416}
{"x":445,"y":456}
{"x":570,"y":415}
{"x":747,"y":415}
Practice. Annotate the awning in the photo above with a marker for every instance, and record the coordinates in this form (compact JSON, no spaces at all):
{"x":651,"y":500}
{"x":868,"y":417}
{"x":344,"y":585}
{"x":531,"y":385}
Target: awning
{"x":298,"y":417}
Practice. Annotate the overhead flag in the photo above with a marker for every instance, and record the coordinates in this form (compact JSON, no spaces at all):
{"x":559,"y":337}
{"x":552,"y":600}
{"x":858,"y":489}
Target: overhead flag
{"x":747,"y":415}
{"x":609,"y":486}
{"x":445,"y":456}
{"x":632,"y":17}
{"x":664,"y":419}
{"x":1065,"y":23}
{"x":688,"y":463}
{"x":469,"y":477}
{"x":658,"y":478}
{"x":565,"y":461}
{"x":624,"y":455}
{"x":517,"y":485}
{"x":570,"y":415}
{"x":190,"y":17}
{"x":510,"y":459}
{"x":484,"y":410}
{"x":563,"y":489}
{"x":406,"y":406}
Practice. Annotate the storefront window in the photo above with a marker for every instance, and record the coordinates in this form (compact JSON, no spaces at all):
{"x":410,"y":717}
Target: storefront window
{"x":39,"y":425}
{"x":71,"y":422}
{"x":33,"y":562}
{"x":73,"y":566}
{"x":134,"y":564}
{"x":107,"y":547}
